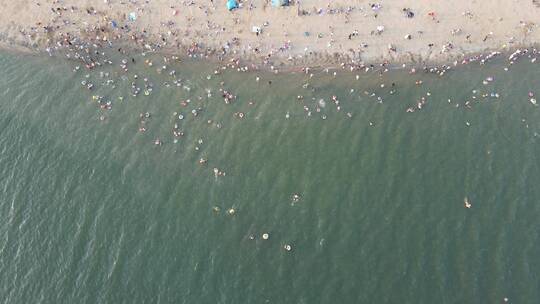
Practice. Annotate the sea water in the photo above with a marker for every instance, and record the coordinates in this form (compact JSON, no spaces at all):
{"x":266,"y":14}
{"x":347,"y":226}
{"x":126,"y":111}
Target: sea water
{"x":93,"y":211}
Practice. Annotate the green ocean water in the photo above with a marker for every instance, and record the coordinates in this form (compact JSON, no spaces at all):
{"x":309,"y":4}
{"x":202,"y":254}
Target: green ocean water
{"x":92,"y":211}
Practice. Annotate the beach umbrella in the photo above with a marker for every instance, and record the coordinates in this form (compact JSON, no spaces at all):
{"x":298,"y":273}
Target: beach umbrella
{"x":278,"y":3}
{"x":232,"y":4}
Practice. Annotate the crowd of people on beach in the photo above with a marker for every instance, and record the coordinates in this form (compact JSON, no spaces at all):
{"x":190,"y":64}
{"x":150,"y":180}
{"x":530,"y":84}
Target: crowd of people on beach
{"x":224,"y":37}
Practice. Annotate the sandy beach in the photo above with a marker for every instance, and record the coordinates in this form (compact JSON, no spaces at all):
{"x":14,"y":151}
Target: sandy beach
{"x":311,"y":32}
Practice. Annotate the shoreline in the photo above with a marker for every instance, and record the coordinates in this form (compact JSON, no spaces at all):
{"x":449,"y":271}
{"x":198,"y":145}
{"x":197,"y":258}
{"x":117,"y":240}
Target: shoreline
{"x":244,"y":64}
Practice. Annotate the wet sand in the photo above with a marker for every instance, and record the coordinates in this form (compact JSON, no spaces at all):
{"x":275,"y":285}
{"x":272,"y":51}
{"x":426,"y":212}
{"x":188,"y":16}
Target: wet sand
{"x":310,"y":32}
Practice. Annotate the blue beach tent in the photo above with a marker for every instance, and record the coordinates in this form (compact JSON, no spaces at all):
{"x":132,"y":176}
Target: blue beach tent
{"x":232,"y":4}
{"x":278,"y":3}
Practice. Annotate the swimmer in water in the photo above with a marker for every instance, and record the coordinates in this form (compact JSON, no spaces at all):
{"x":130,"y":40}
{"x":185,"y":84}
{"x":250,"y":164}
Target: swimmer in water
{"x":467,"y":204}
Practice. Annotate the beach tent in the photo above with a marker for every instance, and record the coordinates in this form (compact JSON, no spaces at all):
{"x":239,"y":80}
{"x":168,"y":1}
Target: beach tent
{"x":278,"y":3}
{"x":132,"y":16}
{"x":232,"y":4}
